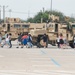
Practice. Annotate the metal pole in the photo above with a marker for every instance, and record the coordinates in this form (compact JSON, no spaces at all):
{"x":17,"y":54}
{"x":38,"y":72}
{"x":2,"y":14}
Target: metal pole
{"x":50,"y":9}
{"x":10,"y":13}
{"x":51,"y":6}
{"x":28,"y":14}
{"x":4,"y":14}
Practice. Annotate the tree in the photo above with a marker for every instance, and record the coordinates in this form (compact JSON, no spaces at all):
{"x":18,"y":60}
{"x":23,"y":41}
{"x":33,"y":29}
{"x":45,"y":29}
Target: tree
{"x":45,"y":16}
{"x":30,"y":20}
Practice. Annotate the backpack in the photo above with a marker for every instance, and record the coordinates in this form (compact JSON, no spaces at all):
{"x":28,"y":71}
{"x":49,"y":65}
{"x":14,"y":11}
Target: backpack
{"x":29,"y":39}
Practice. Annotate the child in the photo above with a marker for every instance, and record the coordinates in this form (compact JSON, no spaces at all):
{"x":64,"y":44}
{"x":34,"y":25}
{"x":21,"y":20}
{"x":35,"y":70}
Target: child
{"x":0,"y":38}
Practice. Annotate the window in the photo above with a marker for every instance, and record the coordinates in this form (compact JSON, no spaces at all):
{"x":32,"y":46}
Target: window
{"x":51,"y":25}
{"x":3,"y":25}
{"x":17,"y":25}
{"x":14,"y":19}
{"x":73,"y":26}
{"x":25,"y":26}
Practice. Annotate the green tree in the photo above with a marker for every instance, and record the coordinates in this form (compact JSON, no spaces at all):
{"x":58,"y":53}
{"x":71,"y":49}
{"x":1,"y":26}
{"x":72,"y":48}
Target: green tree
{"x":30,"y":20}
{"x":45,"y":16}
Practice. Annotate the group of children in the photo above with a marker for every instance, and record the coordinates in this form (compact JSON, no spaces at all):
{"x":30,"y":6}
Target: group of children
{"x":26,"y":39}
{"x":22,"y":39}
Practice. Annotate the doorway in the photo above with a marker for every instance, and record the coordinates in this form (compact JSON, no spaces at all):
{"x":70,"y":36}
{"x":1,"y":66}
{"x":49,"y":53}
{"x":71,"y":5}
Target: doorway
{"x":8,"y":27}
{"x":56,"y":27}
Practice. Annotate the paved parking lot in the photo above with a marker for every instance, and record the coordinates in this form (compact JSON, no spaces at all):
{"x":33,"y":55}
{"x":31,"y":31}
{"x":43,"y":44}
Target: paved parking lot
{"x":37,"y":61}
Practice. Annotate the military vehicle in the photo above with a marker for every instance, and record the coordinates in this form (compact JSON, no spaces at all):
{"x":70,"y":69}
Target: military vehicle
{"x":14,"y":26}
{"x":52,"y":28}
{"x":37,"y":29}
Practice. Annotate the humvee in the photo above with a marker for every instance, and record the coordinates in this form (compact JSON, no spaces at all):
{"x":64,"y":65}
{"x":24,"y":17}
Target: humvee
{"x":14,"y":26}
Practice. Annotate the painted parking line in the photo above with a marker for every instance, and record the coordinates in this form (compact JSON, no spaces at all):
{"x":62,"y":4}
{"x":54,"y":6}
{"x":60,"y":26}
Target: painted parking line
{"x":36,"y":72}
{"x":55,"y":72}
{"x":53,"y":60}
{"x":43,"y":52}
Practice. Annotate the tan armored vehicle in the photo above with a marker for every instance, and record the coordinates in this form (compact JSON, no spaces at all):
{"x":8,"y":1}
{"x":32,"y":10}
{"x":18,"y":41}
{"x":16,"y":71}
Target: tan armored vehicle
{"x":52,"y":29}
{"x":37,"y":28}
{"x":14,"y":26}
{"x":56,"y":28}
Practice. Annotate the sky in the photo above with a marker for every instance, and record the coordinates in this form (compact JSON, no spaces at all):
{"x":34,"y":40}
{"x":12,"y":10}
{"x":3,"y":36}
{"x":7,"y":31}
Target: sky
{"x":28,"y":8}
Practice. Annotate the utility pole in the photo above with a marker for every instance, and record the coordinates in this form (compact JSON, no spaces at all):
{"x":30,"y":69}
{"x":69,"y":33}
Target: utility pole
{"x":43,"y":9}
{"x":51,"y":6}
{"x":50,"y":13}
{"x":10,"y":13}
{"x":28,"y":14}
{"x":4,"y":13}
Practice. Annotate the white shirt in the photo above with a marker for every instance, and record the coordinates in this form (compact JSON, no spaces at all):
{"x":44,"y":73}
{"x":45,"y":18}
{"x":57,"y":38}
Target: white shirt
{"x":74,"y":39}
{"x":7,"y":39}
{"x":58,"y":39}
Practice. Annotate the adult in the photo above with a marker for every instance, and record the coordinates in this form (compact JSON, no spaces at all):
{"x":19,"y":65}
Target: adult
{"x":45,"y":38}
{"x":58,"y":41}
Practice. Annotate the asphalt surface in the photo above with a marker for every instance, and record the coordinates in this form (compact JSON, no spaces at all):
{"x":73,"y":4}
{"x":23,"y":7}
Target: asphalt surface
{"x":37,"y":61}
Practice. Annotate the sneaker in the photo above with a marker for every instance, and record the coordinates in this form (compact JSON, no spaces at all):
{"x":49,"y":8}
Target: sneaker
{"x":17,"y":47}
{"x":10,"y":47}
{"x":21,"y":47}
{"x":1,"y":46}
